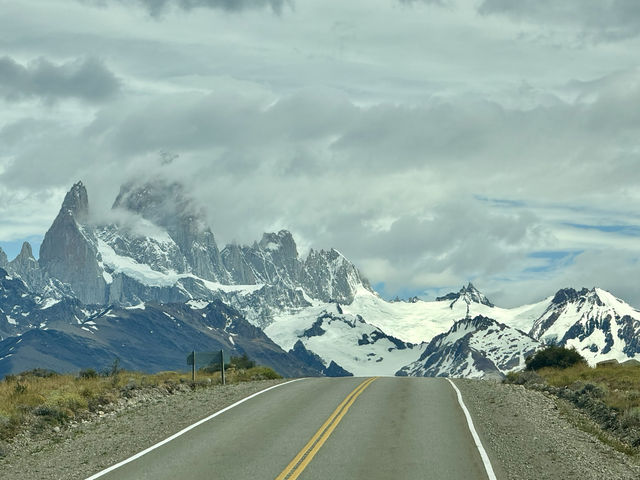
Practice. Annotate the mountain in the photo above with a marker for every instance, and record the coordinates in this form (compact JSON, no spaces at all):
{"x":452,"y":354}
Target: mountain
{"x":468,"y":295}
{"x":148,"y":337}
{"x":312,"y":314}
{"x":158,"y":251}
{"x":347,"y":340}
{"x":599,"y":325}
{"x":478,"y":347}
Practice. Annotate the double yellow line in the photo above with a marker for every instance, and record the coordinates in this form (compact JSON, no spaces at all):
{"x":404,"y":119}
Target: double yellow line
{"x":302,"y":459}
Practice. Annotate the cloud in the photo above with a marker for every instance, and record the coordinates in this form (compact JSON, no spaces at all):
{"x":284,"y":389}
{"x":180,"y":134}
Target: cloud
{"x":86,"y":79}
{"x":158,"y":7}
{"x":608,"y":20}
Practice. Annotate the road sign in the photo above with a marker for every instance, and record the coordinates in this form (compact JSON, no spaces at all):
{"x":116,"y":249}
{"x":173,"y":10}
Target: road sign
{"x":207,"y":358}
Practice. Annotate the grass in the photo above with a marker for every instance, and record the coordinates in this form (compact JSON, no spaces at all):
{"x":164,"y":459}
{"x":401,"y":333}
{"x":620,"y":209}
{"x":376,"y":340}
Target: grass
{"x":39,"y":400}
{"x":609,"y":395}
{"x":587,"y":425}
{"x":619,"y":385}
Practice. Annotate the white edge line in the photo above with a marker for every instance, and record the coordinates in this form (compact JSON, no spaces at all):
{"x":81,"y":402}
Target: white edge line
{"x":185,"y":430}
{"x":474,"y":434}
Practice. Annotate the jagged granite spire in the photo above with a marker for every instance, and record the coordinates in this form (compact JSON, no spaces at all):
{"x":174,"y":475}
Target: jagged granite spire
{"x":4,"y":261}
{"x":26,"y":266}
{"x":68,"y":251}
{"x":76,"y":203}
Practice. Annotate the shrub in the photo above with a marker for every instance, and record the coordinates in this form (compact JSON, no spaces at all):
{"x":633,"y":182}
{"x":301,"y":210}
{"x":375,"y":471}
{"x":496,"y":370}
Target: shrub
{"x":243,"y":362}
{"x":524,"y":378}
{"x":555,"y":357}
{"x":39,"y":372}
{"x":631,"y":418}
{"x":88,"y":373}
{"x":51,"y":414}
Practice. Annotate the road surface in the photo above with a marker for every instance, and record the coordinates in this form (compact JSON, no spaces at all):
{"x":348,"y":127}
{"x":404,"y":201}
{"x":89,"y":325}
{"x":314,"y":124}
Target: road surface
{"x":325,"y":428}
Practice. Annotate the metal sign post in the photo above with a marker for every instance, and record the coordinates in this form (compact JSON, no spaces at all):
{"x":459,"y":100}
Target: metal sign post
{"x":207,"y":358}
{"x":222,"y":366}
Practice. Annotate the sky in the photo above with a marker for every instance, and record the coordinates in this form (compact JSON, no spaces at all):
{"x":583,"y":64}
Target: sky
{"x":432,"y":142}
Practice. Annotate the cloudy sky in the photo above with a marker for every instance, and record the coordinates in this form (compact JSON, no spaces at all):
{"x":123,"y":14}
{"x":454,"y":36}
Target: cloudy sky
{"x":433,"y":142}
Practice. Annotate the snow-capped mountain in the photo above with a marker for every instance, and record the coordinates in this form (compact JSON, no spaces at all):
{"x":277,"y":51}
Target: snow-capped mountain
{"x":345,"y":339}
{"x":167,"y":253}
{"x":420,"y":321}
{"x":162,"y":251}
{"x":478,"y":347}
{"x":599,"y":325}
{"x":157,"y":250}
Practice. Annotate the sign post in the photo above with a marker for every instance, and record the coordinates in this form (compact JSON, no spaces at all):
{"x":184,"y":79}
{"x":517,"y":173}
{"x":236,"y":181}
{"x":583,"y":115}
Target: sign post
{"x":207,"y":358}
{"x":222,"y":366}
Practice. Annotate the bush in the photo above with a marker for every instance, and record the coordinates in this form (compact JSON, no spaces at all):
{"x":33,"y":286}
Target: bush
{"x":555,"y":357}
{"x":524,"y":378}
{"x":39,"y":373}
{"x":243,"y":362}
{"x":51,"y":414}
{"x":88,"y":373}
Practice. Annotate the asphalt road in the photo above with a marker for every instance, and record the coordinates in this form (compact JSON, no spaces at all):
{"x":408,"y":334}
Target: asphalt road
{"x":326,"y":428}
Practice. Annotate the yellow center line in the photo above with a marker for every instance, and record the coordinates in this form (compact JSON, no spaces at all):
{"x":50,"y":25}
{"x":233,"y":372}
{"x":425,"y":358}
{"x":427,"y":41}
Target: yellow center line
{"x":304,"y":456}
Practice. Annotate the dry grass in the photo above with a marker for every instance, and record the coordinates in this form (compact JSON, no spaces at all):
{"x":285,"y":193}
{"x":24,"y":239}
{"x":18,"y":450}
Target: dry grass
{"x":620,"y":384}
{"x":39,"y":399}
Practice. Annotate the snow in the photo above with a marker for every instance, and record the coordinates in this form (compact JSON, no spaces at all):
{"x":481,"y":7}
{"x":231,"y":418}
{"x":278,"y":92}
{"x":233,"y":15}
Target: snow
{"x":340,"y":341}
{"x":239,"y":289}
{"x":48,"y":303}
{"x":11,"y":320}
{"x":231,"y":340}
{"x":421,"y":321}
{"x":272,"y":247}
{"x":146,"y":275}
{"x":107,"y":277}
{"x":197,"y":304}
{"x":140,"y":306}
{"x":138,"y":271}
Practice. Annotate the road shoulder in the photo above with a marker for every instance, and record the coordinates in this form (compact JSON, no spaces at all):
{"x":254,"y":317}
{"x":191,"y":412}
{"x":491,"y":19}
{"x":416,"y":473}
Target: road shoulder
{"x":528,"y":438}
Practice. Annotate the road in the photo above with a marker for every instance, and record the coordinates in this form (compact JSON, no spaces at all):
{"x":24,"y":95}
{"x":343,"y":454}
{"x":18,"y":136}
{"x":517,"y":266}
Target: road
{"x":325,"y":428}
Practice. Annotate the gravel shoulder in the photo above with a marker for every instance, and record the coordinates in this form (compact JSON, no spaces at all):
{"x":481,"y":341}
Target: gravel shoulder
{"x":528,"y":438}
{"x":83,"y":449}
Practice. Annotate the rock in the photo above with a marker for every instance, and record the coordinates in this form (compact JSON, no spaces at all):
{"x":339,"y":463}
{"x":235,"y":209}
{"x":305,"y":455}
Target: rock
{"x":68,"y":251}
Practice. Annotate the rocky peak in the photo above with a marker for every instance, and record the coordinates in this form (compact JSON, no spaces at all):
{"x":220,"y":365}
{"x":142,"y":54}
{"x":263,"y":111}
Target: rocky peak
{"x":26,"y":266}
{"x":469,"y":294}
{"x":24,"y":259}
{"x":4,"y":261}
{"x":281,"y":242}
{"x":565,"y":295}
{"x":165,"y":205}
{"x":76,"y":203}
{"x":68,"y":251}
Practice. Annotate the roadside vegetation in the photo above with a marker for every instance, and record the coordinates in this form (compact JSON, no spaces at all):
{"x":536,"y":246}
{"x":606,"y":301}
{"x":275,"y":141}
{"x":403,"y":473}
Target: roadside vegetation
{"x":608,"y":395}
{"x":40,"y":400}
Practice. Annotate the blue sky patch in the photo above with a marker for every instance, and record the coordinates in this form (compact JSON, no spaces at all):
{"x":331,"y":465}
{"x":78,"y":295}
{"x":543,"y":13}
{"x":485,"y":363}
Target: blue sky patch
{"x":500,"y":202}
{"x":12,"y":249}
{"x":627,"y":230}
{"x":550,"y":260}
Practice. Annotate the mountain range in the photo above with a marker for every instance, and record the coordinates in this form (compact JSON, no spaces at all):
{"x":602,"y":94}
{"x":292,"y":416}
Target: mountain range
{"x":151,"y":284}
